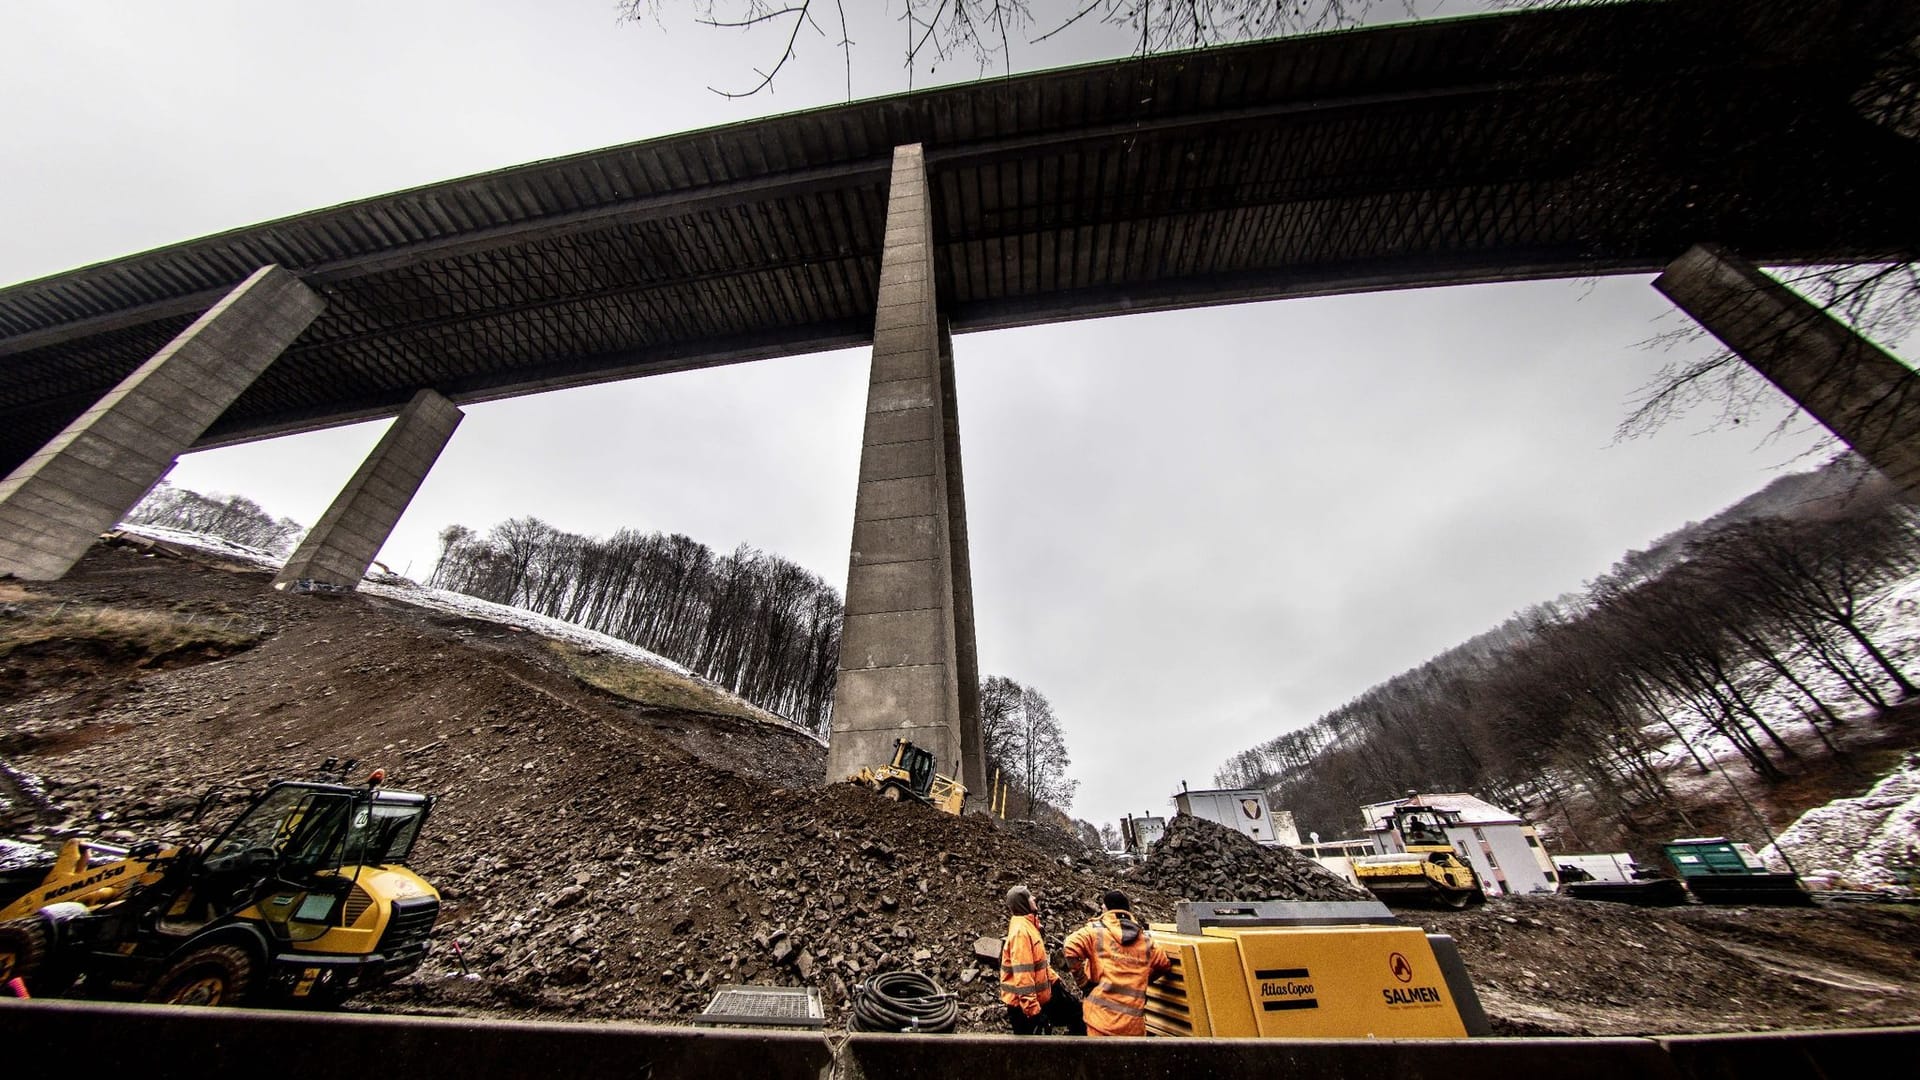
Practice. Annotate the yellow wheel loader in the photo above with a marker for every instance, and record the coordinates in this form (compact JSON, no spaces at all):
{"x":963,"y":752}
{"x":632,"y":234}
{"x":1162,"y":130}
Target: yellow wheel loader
{"x":910,"y":777}
{"x":1428,"y":871}
{"x":305,"y":898}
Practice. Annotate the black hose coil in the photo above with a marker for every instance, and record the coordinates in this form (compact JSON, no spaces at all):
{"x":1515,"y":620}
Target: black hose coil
{"x":903,"y":1001}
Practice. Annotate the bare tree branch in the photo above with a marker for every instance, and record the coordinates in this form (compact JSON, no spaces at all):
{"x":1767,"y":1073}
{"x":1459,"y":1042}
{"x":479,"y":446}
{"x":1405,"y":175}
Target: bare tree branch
{"x":846,"y":44}
{"x":801,"y":17}
{"x":753,"y":19}
{"x":1083,"y":13}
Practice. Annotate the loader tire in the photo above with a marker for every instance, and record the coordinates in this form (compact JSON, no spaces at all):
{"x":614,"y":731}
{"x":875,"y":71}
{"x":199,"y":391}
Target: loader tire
{"x":24,"y":944}
{"x":211,"y":975}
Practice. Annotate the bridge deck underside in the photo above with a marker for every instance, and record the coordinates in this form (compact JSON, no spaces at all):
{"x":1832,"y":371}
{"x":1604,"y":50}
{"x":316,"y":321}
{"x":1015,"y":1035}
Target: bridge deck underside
{"x":1552,"y":143}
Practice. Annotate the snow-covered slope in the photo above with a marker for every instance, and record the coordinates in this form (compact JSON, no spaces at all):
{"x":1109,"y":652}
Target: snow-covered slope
{"x":1868,"y":842}
{"x":394,"y":587}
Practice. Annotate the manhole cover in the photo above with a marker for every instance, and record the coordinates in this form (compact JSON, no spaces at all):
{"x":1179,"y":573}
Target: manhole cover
{"x":777,"y":1006}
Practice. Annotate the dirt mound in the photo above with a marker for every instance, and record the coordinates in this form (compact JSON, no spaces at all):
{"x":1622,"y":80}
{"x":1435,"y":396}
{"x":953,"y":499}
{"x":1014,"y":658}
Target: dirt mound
{"x":1201,"y":860}
{"x":602,"y":858}
{"x":1552,"y":966}
{"x":596,"y":857}
{"x":1048,"y":840}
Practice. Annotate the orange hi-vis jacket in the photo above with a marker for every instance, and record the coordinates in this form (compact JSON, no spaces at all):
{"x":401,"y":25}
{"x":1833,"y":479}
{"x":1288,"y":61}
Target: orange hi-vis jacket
{"x":1115,"y":958}
{"x":1026,"y":979}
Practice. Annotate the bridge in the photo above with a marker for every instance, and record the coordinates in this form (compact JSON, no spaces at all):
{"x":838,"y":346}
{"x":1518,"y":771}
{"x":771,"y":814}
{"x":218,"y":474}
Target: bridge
{"x":1563,"y":142}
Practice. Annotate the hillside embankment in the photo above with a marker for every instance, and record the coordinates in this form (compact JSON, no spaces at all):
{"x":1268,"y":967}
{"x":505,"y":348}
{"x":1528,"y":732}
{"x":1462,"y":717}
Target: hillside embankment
{"x":605,"y":858}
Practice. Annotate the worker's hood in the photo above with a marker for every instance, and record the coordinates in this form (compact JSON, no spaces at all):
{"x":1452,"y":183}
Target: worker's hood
{"x":1122,"y":925}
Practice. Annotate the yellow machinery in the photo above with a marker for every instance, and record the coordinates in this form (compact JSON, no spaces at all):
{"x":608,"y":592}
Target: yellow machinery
{"x":1427,"y":871}
{"x":910,"y":776}
{"x":305,"y":898}
{"x":1309,"y":970}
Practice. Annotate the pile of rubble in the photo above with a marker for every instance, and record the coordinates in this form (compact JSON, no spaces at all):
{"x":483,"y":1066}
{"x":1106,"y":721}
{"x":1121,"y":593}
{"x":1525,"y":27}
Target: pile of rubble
{"x":711,"y":883}
{"x":1199,"y":860}
{"x":595,"y":858}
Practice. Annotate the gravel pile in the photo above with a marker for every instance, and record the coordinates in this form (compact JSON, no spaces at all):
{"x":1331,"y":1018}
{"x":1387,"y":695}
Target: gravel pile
{"x":1199,"y":860}
{"x":595,"y":859}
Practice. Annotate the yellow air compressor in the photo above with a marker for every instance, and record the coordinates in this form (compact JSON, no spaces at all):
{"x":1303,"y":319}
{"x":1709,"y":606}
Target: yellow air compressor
{"x":1303,"y":970}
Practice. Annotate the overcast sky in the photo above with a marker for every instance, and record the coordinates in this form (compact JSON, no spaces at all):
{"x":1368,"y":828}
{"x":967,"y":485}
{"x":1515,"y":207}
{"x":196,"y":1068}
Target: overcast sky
{"x":1192,"y":531}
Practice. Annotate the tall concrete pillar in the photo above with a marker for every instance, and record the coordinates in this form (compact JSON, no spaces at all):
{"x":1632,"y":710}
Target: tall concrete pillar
{"x":1862,"y":393}
{"x":903,"y":659}
{"x":340,"y":547}
{"x":84,"y":481}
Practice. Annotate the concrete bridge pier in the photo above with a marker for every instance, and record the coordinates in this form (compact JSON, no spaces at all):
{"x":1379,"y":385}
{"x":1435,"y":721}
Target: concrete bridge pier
{"x":907,"y":661}
{"x":340,"y":547}
{"x":84,"y":481}
{"x":1862,"y":393}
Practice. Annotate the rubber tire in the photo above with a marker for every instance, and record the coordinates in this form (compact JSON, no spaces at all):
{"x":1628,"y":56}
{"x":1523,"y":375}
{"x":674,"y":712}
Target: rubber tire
{"x":24,"y":944}
{"x":211,"y":975}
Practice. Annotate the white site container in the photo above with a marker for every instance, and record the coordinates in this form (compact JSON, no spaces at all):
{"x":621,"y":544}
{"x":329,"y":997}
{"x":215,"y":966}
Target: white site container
{"x":1612,"y":866}
{"x":1243,"y":810}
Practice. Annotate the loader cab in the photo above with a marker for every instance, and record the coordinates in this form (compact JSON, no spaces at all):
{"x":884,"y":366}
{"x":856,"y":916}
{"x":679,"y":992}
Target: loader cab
{"x":298,"y":829}
{"x":916,"y":763}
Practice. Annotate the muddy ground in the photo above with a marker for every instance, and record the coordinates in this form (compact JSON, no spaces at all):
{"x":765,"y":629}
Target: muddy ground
{"x":602,"y":859}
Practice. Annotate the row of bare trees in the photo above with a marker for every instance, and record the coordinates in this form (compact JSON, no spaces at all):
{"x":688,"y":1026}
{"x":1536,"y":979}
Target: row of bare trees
{"x":232,"y":517}
{"x":755,"y":623}
{"x":1735,"y":635}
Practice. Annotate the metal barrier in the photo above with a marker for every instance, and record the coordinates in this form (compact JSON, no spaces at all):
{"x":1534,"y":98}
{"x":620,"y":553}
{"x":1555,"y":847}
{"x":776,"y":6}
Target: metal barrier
{"x":159,"y":1042}
{"x":898,"y":1057}
{"x":163,"y":1042}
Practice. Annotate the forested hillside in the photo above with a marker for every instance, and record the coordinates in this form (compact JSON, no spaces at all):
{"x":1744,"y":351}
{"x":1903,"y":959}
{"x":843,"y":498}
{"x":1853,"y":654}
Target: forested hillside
{"x":759,"y":625}
{"x":1762,"y":633}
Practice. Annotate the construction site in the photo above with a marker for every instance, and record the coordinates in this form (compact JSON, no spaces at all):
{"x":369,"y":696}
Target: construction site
{"x":264,"y":793}
{"x":607,"y":857}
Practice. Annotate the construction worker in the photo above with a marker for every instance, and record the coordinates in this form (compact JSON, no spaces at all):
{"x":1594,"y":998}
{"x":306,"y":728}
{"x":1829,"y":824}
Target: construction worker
{"x":1036,"y":1002}
{"x":1114,"y":958}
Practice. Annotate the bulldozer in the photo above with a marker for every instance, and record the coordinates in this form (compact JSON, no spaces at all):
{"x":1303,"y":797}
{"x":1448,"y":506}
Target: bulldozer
{"x":1427,"y":871}
{"x":304,"y":899}
{"x":910,"y":776}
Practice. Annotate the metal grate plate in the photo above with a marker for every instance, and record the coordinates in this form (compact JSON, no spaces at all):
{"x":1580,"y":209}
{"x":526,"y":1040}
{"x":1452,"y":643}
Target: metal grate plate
{"x":766,"y":1006}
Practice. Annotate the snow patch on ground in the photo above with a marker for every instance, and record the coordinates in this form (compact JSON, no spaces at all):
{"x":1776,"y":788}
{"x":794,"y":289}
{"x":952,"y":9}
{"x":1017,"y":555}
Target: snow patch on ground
{"x":204,"y":542}
{"x":1872,"y":841}
{"x":453,"y":603}
{"x":396,"y":588}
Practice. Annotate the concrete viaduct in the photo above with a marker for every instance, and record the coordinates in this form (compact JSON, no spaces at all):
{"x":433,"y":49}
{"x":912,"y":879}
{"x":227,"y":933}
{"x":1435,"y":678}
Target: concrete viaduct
{"x":1694,"y":137}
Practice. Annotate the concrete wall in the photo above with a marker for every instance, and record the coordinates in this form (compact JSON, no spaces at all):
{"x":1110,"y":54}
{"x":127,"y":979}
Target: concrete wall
{"x":83,"y":482}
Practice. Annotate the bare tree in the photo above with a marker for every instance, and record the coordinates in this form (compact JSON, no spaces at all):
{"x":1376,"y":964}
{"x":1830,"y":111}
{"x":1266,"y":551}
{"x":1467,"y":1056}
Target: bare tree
{"x":1023,"y":740}
{"x":985,"y":33}
{"x":1880,"y":301}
